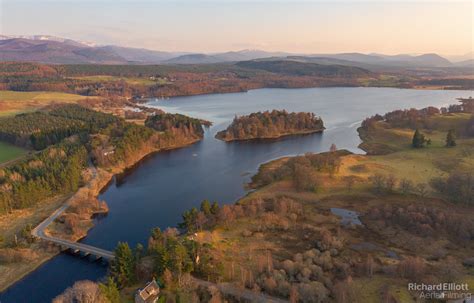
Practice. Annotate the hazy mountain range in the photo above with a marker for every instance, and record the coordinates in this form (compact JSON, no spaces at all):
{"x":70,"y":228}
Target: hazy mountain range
{"x":56,"y":50}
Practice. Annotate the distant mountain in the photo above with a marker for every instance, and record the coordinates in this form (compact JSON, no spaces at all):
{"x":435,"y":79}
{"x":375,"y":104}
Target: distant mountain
{"x":234,"y":56}
{"x":295,"y":68}
{"x":429,"y":60}
{"x":140,"y":55}
{"x":461,"y":58}
{"x":193,"y":59}
{"x":56,"y":52}
{"x":426,"y":60}
{"x":326,"y":61}
{"x":354,"y":57}
{"x":466,"y":63}
{"x":48,"y":38}
{"x":50,"y":49}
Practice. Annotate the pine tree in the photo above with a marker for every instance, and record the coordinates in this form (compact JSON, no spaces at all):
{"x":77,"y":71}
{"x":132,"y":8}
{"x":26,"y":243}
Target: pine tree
{"x":110,"y":290}
{"x":451,"y":138}
{"x":418,"y":139}
{"x":206,"y":207}
{"x":214,"y":208}
{"x":123,"y":266}
{"x":189,"y":220}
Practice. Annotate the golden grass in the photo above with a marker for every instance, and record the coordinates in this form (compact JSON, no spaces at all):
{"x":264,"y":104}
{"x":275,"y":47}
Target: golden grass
{"x":14,"y":222}
{"x":12,"y":102}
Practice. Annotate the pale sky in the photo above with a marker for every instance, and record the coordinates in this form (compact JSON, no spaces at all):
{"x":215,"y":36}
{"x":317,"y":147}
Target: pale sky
{"x":383,"y":26}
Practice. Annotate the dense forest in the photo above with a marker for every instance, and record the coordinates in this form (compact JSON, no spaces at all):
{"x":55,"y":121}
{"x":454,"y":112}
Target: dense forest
{"x":119,"y":142}
{"x":55,"y":170}
{"x":272,"y":124}
{"x":41,"y":129}
{"x":93,"y":120}
{"x":296,"y":68}
{"x":38,"y":129}
{"x":176,"y":124}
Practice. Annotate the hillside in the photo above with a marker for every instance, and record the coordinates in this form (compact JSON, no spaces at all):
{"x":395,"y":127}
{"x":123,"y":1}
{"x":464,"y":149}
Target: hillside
{"x":295,"y":68}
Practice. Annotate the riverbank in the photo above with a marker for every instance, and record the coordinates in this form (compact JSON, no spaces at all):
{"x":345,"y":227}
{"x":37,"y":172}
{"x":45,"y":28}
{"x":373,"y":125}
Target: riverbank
{"x":28,"y":259}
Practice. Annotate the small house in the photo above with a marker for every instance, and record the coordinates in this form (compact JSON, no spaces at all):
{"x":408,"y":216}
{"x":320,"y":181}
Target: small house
{"x":108,"y":151}
{"x":149,"y":294}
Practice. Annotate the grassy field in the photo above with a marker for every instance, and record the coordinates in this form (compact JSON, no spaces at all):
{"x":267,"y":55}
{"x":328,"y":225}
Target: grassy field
{"x":9,"y":152}
{"x":129,"y":80}
{"x":12,"y":102}
{"x":382,"y":80}
{"x":418,"y":165}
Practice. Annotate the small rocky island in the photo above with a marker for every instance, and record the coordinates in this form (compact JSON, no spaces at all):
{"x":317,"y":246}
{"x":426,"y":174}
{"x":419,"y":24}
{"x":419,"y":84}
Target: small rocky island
{"x":271,"y":125}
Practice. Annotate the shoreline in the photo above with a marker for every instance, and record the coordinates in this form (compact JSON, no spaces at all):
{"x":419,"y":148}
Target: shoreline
{"x":147,"y":99}
{"x":29,"y":271}
{"x":269,"y":138}
{"x":101,"y":182}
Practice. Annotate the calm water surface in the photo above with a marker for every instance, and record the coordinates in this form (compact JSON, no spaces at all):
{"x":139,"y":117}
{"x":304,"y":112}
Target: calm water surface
{"x":166,"y":184}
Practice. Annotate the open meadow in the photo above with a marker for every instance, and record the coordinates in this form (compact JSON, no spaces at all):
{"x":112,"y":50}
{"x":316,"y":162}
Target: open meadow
{"x":9,"y":152}
{"x":13,"y":102}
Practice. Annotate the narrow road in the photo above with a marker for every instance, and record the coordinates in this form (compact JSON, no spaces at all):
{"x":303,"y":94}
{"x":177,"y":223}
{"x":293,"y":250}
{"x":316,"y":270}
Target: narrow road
{"x":38,"y":232}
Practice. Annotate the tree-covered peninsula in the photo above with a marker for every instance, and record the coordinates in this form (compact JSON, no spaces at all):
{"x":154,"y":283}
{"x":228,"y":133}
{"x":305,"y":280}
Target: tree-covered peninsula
{"x":270,"y":125}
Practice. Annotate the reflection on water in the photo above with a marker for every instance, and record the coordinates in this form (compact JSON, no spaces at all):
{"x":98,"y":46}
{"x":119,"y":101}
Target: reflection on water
{"x":162,"y":186}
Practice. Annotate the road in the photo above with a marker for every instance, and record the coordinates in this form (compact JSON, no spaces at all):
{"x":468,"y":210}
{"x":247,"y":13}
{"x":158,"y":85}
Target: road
{"x":38,"y":232}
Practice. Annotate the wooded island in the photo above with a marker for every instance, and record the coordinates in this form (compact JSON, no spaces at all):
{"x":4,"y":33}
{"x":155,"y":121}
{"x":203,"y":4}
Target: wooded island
{"x":271,"y":125}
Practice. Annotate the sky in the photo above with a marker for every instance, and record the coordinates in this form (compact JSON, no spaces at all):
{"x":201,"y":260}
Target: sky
{"x":311,"y":27}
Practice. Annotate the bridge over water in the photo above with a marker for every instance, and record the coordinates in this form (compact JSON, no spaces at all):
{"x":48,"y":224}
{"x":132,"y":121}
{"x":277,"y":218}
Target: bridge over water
{"x":38,"y":232}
